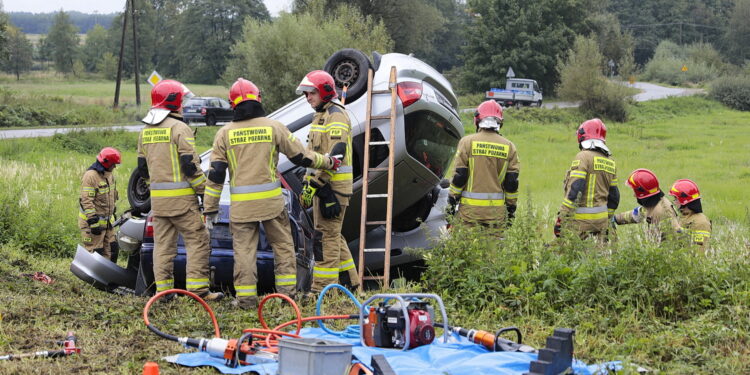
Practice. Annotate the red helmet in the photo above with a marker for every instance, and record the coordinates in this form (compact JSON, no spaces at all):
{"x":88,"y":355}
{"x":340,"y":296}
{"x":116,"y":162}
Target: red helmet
{"x":644,"y":183}
{"x":592,"y":129}
{"x":321,"y":81}
{"x":168,"y":94}
{"x":489,"y":108}
{"x":243,"y":90}
{"x":108,"y":157}
{"x":685,"y":191}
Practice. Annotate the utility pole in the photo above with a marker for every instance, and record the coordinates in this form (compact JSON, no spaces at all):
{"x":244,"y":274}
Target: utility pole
{"x":122,"y":51}
{"x":137,"y":55}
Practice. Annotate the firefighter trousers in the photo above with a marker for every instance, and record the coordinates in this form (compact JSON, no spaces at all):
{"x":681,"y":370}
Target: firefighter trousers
{"x":245,"y":237}
{"x":335,"y":256}
{"x":100,"y":243}
{"x":197,"y":246}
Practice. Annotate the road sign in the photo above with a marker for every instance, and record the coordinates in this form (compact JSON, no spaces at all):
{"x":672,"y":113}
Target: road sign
{"x":631,"y":80}
{"x":510,"y":74}
{"x":684,"y":68}
{"x":154,"y":78}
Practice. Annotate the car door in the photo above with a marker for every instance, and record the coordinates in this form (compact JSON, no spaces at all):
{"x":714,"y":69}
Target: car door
{"x":226,"y":112}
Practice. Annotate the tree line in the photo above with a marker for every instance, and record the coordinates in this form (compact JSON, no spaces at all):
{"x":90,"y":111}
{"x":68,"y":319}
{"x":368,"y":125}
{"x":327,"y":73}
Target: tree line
{"x":473,"y":42}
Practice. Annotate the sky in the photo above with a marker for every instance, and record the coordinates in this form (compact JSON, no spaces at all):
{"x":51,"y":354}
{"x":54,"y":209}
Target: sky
{"x":101,"y":6}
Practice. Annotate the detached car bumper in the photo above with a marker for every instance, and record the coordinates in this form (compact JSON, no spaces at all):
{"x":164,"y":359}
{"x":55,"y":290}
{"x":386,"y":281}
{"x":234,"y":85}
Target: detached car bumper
{"x":100,"y":272}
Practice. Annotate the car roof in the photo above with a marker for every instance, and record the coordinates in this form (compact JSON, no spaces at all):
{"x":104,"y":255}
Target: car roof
{"x":205,"y":98}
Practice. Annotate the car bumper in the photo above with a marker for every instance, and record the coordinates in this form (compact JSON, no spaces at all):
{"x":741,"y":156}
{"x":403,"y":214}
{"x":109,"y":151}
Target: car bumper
{"x":100,"y":272}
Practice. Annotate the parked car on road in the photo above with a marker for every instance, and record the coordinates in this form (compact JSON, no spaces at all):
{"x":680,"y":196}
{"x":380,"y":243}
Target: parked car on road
{"x":428,"y":129}
{"x":517,"y":92}
{"x":207,"y":109}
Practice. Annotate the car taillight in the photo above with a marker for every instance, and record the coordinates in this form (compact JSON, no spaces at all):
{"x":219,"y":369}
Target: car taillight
{"x":203,"y":111}
{"x":149,"y":231}
{"x":490,"y":94}
{"x":409,"y":92}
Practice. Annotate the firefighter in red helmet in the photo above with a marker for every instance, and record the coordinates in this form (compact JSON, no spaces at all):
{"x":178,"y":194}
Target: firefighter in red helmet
{"x":693,"y":221}
{"x":247,"y":149}
{"x":591,"y":192}
{"x":326,"y":191}
{"x":485,"y":182}
{"x":96,"y":204}
{"x":653,"y":207}
{"x":167,"y":159}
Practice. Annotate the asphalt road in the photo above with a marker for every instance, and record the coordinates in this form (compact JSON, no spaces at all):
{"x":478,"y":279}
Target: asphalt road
{"x":650,"y":91}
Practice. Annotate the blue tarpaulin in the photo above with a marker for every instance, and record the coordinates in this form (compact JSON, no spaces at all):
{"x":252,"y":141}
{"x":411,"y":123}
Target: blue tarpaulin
{"x":457,"y":357}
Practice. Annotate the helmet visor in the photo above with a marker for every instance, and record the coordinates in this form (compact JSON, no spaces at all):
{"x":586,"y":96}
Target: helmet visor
{"x":301,"y":89}
{"x":490,"y":123}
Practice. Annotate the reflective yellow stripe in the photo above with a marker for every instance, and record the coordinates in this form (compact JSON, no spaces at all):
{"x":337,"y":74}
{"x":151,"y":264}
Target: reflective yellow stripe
{"x":172,"y":192}
{"x":596,"y":216}
{"x":196,"y":283}
{"x":245,"y":290}
{"x":326,"y":273}
{"x":175,"y":158}
{"x":255,"y":196}
{"x":483,"y":202}
{"x":346,"y":265}
{"x":282,"y":280}
{"x":162,"y":285}
{"x":212,"y":192}
{"x":291,"y":136}
{"x":82,"y":216}
{"x":85,"y":188}
{"x":568,"y":203}
{"x":578,"y":174}
{"x":232,"y":165}
{"x":615,"y":182}
{"x":198,"y":181}
{"x":455,"y":190}
{"x":272,"y":164}
{"x":240,"y":98}
{"x":471,"y":175}
{"x":511,"y":195}
{"x":592,"y":190}
{"x":341,"y":177}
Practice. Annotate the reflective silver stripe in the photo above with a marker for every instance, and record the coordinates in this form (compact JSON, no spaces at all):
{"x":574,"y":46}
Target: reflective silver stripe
{"x":591,"y":210}
{"x":471,"y":195}
{"x":345,"y":169}
{"x":169,"y":185}
{"x":254,"y":188}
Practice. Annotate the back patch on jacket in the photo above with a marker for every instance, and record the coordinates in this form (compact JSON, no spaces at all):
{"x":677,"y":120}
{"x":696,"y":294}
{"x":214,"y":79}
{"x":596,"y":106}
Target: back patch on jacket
{"x":494,"y":150}
{"x":158,"y":135}
{"x":250,"y":135}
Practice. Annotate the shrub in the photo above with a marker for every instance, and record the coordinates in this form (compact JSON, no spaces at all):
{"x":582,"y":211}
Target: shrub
{"x":704,"y":64}
{"x":581,"y":79}
{"x":734,"y":91}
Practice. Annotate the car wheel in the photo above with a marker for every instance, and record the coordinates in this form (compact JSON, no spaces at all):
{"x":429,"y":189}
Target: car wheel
{"x":139,"y":196}
{"x":539,"y":103}
{"x":349,"y":67}
{"x":210,"y":120}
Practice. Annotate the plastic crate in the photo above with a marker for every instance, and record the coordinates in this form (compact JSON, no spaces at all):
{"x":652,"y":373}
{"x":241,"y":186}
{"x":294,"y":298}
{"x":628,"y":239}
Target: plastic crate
{"x":308,"y":356}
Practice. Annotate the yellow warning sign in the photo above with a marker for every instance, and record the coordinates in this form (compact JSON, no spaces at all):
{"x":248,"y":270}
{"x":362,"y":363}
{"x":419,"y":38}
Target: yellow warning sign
{"x":684,"y":68}
{"x":631,"y":80}
{"x":154,"y":78}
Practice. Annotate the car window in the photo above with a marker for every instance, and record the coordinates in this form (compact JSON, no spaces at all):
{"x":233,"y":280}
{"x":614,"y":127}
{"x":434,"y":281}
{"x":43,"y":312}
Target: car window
{"x":520,"y":85}
{"x":214,"y":103}
{"x":224,"y":103}
{"x":430,"y":140}
{"x":194,"y":103}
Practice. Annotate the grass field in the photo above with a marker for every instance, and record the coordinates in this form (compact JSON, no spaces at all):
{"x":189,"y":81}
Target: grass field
{"x":662,"y":307}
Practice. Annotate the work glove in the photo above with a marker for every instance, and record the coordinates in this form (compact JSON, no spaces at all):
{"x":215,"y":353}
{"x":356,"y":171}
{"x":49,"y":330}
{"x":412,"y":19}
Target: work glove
{"x":308,"y":192}
{"x":329,"y":204}
{"x":94,"y":226}
{"x":211,"y":219}
{"x":511,"y":213}
{"x":452,"y":203}
{"x":558,"y":227}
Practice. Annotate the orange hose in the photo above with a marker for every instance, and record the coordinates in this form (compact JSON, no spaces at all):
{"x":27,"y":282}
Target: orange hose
{"x":157,"y":296}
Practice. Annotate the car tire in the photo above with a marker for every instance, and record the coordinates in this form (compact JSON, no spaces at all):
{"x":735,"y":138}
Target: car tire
{"x":349,"y":66}
{"x":210,"y":120}
{"x":539,"y":104}
{"x":139,"y":195}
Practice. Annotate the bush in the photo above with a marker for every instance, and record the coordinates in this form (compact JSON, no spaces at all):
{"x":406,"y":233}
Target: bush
{"x":704,"y":64}
{"x":734,"y":92}
{"x":276,"y":55}
{"x":581,"y":79}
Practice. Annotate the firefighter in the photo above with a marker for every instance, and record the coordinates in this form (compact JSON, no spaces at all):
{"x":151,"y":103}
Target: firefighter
{"x":591,"y":193}
{"x":693,"y":221}
{"x":326,"y":191}
{"x":248,"y":148}
{"x":96,"y":204}
{"x":167,"y":159}
{"x":485,"y":182}
{"x":653,"y":207}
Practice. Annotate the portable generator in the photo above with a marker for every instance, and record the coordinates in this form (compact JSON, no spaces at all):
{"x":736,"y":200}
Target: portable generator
{"x":406,"y":324}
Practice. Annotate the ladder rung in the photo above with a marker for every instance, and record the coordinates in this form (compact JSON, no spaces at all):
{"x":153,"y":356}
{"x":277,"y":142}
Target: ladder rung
{"x":374,"y":250}
{"x":375,"y":222}
{"x":376,"y":143}
{"x":373,"y":277}
{"x":377,"y":195}
{"x":384,"y":117}
{"x":378,"y":169}
{"x":376,"y":92}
